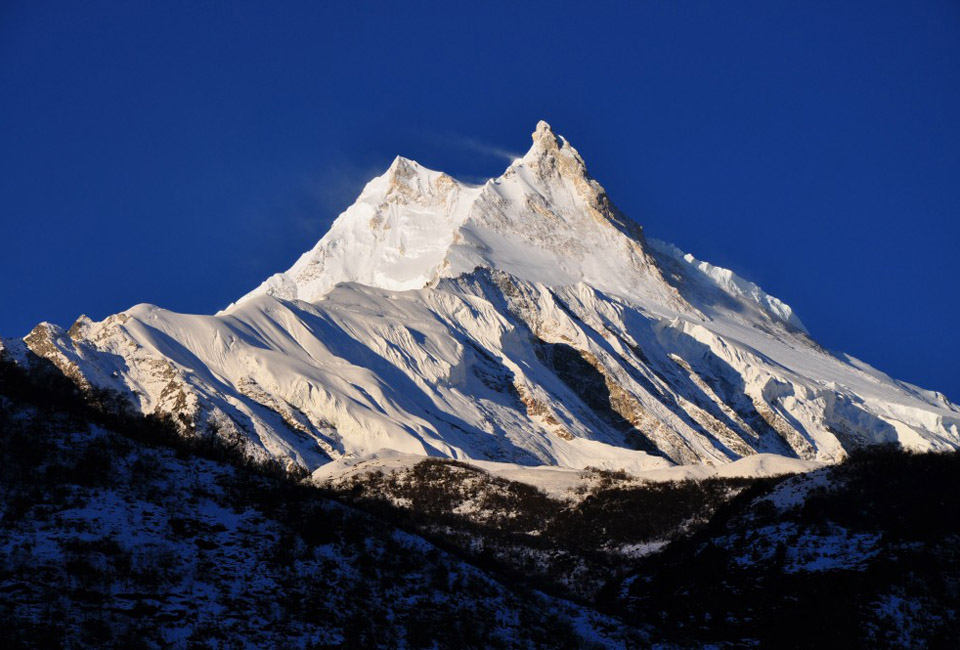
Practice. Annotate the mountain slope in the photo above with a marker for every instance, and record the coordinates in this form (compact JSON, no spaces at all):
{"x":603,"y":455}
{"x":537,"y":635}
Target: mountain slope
{"x":525,"y":320}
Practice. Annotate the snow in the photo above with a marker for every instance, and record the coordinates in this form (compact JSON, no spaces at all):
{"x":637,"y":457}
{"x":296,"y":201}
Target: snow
{"x":569,"y":483}
{"x":732,"y":283}
{"x":641,"y":550}
{"x":793,"y":492}
{"x":424,"y":322}
{"x":766,"y":465}
{"x":807,"y":552}
{"x":394,"y":237}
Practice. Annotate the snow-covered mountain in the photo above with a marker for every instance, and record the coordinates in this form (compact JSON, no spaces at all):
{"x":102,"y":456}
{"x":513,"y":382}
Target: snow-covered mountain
{"x":525,"y":320}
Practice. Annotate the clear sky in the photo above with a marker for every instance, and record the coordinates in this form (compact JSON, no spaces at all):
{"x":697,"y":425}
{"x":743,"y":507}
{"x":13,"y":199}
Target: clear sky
{"x":179,"y":152}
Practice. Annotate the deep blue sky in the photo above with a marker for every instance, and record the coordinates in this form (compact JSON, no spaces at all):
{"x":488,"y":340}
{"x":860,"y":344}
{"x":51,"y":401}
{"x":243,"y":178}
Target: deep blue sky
{"x":179,"y":153}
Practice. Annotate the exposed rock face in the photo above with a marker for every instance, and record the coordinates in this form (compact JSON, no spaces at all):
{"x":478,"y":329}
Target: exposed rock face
{"x":526,"y":320}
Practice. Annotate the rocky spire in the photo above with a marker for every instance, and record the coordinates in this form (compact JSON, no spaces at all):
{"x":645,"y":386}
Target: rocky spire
{"x":551,"y":155}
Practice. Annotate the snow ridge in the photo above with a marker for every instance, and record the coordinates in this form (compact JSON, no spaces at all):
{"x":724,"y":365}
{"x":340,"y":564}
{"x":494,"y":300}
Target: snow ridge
{"x":733,"y":284}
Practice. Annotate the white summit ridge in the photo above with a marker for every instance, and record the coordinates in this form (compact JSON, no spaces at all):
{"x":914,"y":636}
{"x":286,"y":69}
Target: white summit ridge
{"x":544,"y":220}
{"x":523,"y":321}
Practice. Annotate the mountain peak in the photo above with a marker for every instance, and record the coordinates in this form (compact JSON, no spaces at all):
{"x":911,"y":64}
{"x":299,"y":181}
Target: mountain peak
{"x":403,"y":165}
{"x":544,"y":133}
{"x":407,"y":180}
{"x":524,"y":320}
{"x":401,"y":170}
{"x":552,"y":155}
{"x":544,"y":220}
